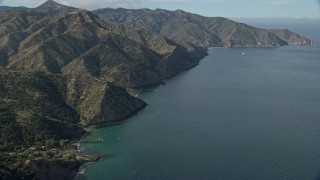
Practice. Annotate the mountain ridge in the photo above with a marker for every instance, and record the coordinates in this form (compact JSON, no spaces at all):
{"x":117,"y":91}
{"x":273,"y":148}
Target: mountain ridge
{"x":195,"y":29}
{"x":63,"y":69}
{"x":48,"y":6}
{"x":51,"y":6}
{"x":80,"y":43}
{"x":182,"y":26}
{"x":83,"y":61}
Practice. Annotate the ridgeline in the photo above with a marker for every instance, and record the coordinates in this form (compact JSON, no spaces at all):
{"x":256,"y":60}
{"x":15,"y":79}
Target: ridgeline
{"x":64,"y":69}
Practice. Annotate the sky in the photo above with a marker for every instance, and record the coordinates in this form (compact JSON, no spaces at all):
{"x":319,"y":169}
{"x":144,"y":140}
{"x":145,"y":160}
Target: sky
{"x":296,"y":9}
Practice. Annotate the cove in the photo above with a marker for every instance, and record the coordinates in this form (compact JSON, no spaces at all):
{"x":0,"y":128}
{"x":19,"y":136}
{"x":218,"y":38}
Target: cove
{"x":240,"y":114}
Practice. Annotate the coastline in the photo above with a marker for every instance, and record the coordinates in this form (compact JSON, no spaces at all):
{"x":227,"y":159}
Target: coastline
{"x":72,"y":133}
{"x":103,"y":169}
{"x":133,"y":92}
{"x":89,"y":159}
{"x":97,"y":157}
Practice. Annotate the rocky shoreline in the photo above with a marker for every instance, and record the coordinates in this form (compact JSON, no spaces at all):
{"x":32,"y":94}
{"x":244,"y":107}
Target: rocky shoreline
{"x":59,"y":79}
{"x":92,"y":158}
{"x":45,"y":164}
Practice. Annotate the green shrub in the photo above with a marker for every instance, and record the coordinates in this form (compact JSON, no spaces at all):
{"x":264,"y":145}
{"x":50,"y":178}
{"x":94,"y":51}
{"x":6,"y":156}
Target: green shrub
{"x":49,"y":143}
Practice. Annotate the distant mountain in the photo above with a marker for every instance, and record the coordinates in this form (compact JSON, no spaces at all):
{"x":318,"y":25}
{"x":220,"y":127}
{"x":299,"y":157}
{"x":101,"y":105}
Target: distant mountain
{"x":185,"y":28}
{"x":51,"y":6}
{"x":204,"y":31}
{"x":291,"y":37}
{"x":8,"y":8}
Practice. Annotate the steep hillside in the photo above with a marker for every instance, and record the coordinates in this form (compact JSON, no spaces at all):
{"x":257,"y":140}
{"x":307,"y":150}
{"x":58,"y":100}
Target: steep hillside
{"x":63,"y":69}
{"x":42,"y":114}
{"x":62,"y":72}
{"x":33,"y":109}
{"x":204,"y":31}
{"x":81,"y":42}
{"x":72,"y":69}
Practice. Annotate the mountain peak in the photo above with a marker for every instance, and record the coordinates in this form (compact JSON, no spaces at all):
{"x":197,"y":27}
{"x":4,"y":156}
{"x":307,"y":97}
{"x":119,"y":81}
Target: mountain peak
{"x":51,"y":6}
{"x":50,"y":3}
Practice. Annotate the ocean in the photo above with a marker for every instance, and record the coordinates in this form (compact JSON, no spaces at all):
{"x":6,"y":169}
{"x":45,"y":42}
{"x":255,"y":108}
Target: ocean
{"x":243,"y":113}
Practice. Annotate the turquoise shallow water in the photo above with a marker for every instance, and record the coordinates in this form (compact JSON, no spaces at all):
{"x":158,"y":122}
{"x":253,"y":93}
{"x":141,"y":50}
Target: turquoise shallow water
{"x":235,"y":116}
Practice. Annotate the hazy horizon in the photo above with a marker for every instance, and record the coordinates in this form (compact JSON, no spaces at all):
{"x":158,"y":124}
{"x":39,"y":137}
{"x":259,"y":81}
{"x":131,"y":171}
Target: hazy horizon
{"x":249,"y":9}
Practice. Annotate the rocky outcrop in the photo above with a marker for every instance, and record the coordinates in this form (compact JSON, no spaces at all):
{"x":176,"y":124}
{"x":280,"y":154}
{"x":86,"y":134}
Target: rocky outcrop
{"x":195,"y":29}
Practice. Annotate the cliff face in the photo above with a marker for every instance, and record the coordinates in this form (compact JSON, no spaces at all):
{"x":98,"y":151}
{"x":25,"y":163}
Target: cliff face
{"x":204,"y":31}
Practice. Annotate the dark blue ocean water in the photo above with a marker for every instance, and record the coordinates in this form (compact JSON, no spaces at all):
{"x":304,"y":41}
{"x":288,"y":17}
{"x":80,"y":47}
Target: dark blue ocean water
{"x":235,"y":116}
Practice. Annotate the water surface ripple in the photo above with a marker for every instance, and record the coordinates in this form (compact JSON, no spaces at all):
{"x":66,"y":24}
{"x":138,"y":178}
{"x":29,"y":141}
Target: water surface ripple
{"x":235,"y":116}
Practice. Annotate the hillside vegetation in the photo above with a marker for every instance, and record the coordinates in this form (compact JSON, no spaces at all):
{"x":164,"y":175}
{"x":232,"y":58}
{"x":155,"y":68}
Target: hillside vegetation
{"x":64,"y":69}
